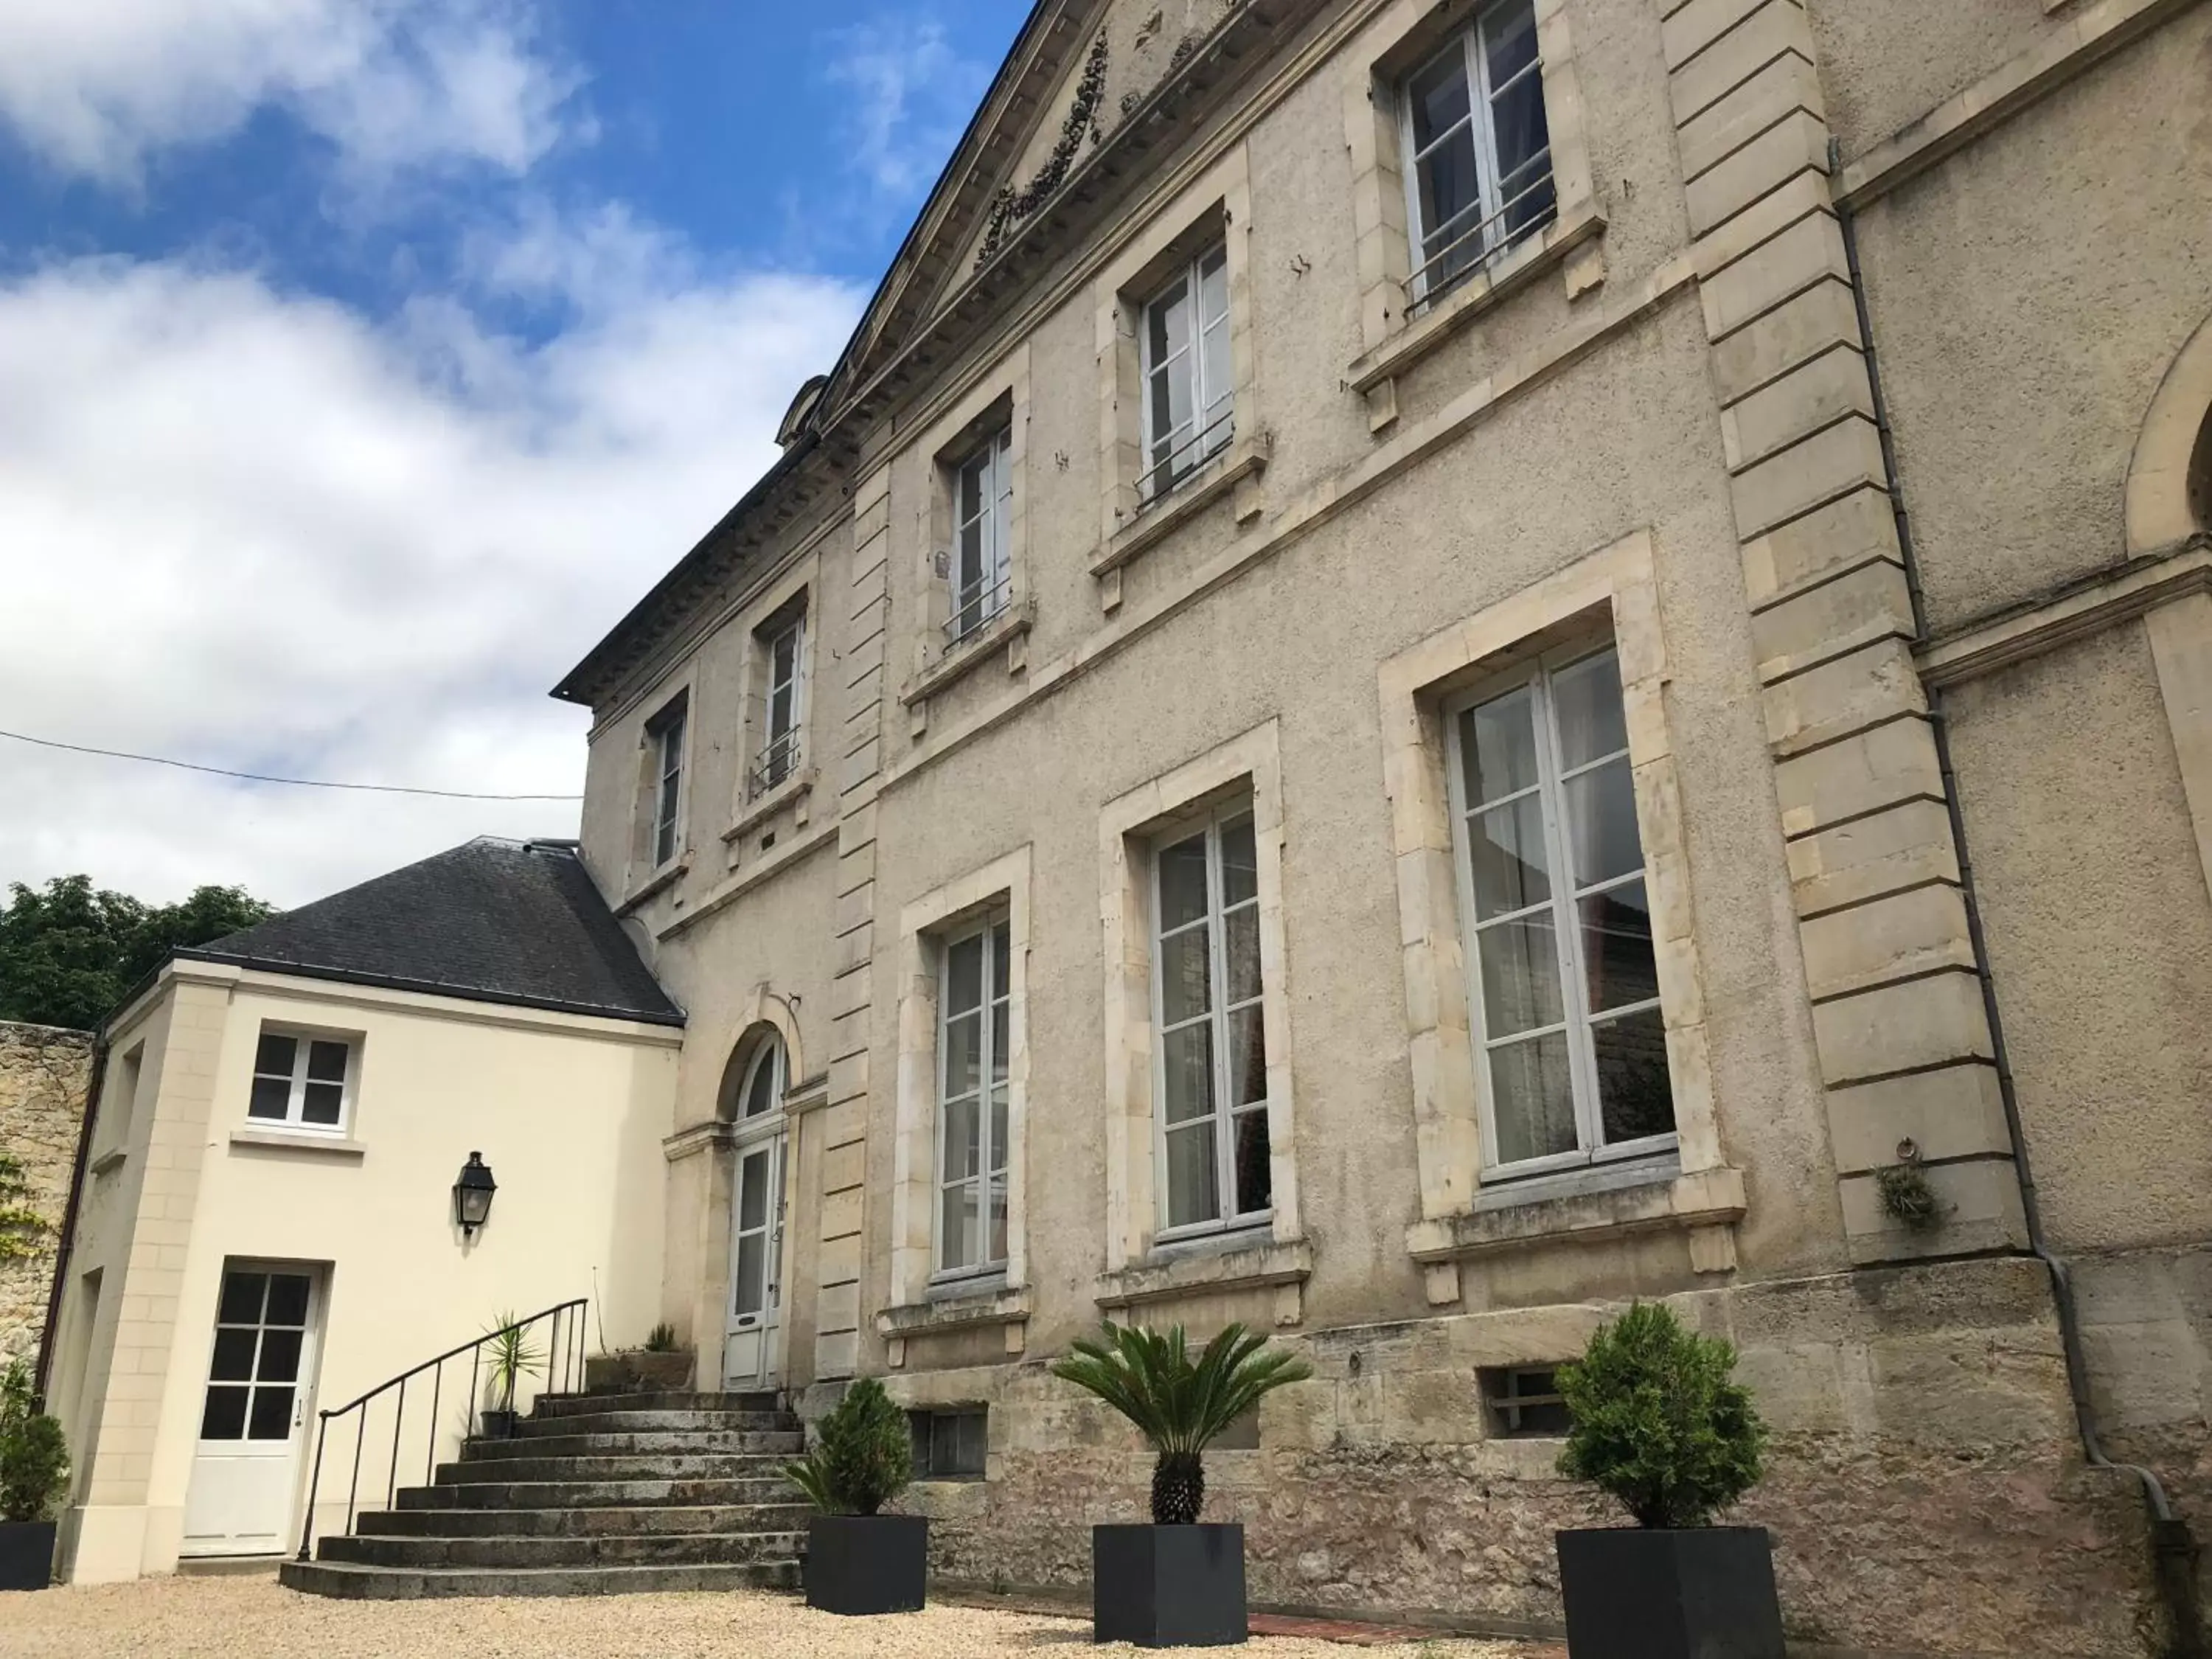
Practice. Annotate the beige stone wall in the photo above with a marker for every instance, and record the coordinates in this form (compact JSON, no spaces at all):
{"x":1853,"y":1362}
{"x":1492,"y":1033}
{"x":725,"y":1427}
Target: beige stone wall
{"x":43,"y":1074}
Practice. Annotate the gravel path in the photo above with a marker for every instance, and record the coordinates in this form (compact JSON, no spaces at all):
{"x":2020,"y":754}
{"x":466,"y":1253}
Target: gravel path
{"x":252,"y":1617}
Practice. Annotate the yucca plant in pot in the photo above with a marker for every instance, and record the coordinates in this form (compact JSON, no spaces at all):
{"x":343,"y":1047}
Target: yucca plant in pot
{"x":859,"y":1560}
{"x":1175,"y":1583}
{"x":1659,"y":1422}
{"x":34,"y":1465}
{"x":510,"y":1357}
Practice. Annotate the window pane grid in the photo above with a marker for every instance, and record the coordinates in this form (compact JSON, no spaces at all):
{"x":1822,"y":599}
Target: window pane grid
{"x":982,"y":565}
{"x":1187,"y":373}
{"x":1214,"y":1168}
{"x":1591,"y":1078}
{"x":300,"y":1081}
{"x":974,"y":1026}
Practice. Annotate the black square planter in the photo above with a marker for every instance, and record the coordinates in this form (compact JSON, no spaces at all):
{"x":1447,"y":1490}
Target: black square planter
{"x":1169,"y":1587}
{"x":1651,"y":1593}
{"x":862,"y":1563}
{"x":26,"y":1554}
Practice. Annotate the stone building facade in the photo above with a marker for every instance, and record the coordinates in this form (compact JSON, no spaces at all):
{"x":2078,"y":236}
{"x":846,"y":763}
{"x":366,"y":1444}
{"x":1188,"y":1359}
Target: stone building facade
{"x":1429,"y":666}
{"x":43,"y":1074}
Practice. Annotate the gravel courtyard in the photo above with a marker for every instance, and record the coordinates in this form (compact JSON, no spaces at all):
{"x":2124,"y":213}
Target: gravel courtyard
{"x":252,"y":1617}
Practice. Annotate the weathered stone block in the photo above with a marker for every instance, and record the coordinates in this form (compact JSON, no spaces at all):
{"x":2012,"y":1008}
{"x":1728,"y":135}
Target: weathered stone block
{"x":1696,"y":24}
{"x":1895,"y":938}
{"x":1698,"y":83}
{"x":1871,"y":603}
{"x":1815,"y":321}
{"x":1817,"y":393}
{"x":1954,"y":1112}
{"x":840,"y":1213}
{"x":1925,"y":1022}
{"x":1875,"y":683}
{"x":1807,"y":475}
{"x":1809,"y":250}
{"x":1797,"y":143}
{"x":1863,"y":773}
{"x":1786,"y":84}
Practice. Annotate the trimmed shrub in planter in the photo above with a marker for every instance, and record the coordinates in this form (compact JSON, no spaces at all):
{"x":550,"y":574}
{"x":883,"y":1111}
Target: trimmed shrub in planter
{"x":34,"y":1465}
{"x":1660,"y":1423}
{"x":858,"y":1561}
{"x":1175,"y":1583}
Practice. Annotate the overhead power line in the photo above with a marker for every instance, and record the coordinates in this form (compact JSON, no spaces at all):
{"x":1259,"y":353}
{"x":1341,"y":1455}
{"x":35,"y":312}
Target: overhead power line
{"x":259,"y":777}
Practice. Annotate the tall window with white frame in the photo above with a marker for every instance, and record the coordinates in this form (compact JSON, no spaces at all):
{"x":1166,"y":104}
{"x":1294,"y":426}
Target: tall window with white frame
{"x":1189,"y":382}
{"x":983,"y":566}
{"x":1477,"y":148}
{"x":783,"y":650}
{"x":1212,"y":1076}
{"x":664,"y":737}
{"x":974,"y":1031}
{"x":1561,"y":971}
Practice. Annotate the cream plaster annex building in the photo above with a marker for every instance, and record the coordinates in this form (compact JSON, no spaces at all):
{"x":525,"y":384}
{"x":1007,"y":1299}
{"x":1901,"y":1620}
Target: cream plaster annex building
{"x":1431,"y":665}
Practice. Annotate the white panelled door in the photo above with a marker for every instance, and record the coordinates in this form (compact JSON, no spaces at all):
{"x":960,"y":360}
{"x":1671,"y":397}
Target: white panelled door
{"x":253,"y":1417}
{"x":752,"y":1340}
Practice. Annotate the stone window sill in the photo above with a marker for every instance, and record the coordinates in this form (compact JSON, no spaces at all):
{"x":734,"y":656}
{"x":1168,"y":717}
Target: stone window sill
{"x":315,"y":1146}
{"x":659,"y":882}
{"x":962,"y":658}
{"x":1578,"y":222}
{"x":956,"y":1306}
{"x":1171,"y":1272}
{"x":107,"y":1161}
{"x":760,"y":809}
{"x":1709,"y":1198}
{"x":1245,"y":458}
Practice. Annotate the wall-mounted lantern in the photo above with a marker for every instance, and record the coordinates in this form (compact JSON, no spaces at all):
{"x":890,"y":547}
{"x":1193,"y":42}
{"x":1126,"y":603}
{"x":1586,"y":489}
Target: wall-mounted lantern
{"x":472,"y":1191}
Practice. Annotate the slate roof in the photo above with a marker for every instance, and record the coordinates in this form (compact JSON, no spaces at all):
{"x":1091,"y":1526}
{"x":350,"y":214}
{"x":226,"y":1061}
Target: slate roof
{"x":510,"y":921}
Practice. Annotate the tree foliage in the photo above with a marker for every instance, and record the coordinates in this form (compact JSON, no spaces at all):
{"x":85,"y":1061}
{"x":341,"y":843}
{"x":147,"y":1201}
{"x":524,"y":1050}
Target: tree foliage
{"x":34,"y":1457}
{"x":1179,"y":1406}
{"x":863,"y":1457}
{"x":1659,"y":1421}
{"x":70,"y":951}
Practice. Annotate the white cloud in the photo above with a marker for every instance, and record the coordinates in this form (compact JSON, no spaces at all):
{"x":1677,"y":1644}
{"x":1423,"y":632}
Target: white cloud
{"x":95,"y":86}
{"x":910,"y":95}
{"x":258,"y":530}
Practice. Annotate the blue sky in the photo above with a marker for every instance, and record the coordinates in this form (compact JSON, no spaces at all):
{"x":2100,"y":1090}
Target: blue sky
{"x":366,"y":358}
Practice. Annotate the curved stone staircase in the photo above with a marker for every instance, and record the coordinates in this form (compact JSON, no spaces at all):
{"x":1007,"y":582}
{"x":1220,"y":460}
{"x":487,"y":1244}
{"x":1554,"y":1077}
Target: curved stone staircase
{"x":596,"y":1494}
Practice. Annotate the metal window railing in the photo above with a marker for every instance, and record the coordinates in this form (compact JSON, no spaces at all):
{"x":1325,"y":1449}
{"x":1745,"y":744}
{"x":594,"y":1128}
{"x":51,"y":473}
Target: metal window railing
{"x":560,"y":1364}
{"x":978,"y":602}
{"x":776,"y":763}
{"x":1436,"y":278}
{"x":1186,"y":458}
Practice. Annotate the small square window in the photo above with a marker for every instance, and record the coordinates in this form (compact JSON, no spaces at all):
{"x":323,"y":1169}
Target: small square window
{"x":301,"y":1080}
{"x":1524,"y":1404}
{"x":949,"y":1445}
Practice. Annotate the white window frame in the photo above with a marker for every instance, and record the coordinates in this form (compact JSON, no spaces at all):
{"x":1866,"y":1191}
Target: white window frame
{"x":1591,"y":1147}
{"x":994,"y":996}
{"x":1226,"y":1112}
{"x":303,"y":1040}
{"x":667,"y":732}
{"x":1472,"y":42}
{"x":782,"y":746}
{"x":1206,"y":437}
{"x":982,"y":598}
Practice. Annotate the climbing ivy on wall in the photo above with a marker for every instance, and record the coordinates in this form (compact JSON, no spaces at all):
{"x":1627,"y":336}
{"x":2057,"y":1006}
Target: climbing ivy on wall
{"x":22,"y":1229}
{"x":1010,"y":206}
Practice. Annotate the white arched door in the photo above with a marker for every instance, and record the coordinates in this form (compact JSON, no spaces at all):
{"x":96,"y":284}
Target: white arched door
{"x":752,"y":1337}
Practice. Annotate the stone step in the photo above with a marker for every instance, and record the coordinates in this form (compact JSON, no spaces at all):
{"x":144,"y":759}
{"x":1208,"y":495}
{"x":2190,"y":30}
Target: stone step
{"x":753,"y":1465}
{"x":619,"y":1521}
{"x":684,"y":1443}
{"x":569,"y":1404}
{"x":358,"y":1581}
{"x":649,"y":1422}
{"x":636,"y":1550}
{"x":765,"y":1488}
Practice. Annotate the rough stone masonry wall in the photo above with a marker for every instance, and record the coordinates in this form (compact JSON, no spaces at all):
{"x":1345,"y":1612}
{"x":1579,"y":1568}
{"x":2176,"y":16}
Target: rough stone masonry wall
{"x":43,"y":1076}
{"x":1922,"y":1486}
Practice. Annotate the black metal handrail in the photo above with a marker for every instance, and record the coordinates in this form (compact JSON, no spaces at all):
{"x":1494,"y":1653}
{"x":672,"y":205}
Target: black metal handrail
{"x":564,"y":1348}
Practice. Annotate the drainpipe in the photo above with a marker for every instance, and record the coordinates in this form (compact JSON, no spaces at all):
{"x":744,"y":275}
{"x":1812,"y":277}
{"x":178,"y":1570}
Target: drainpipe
{"x":2173,"y":1549}
{"x":38,"y":1377}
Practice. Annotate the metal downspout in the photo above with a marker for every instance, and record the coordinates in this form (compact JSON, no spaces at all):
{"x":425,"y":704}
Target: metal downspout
{"x":2175,"y":1566}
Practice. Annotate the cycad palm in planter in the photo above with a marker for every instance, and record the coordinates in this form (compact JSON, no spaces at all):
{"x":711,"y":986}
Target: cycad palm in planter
{"x":1660,"y":1423}
{"x":511,"y":1358}
{"x":1175,"y":1583}
{"x":858,"y":1561}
